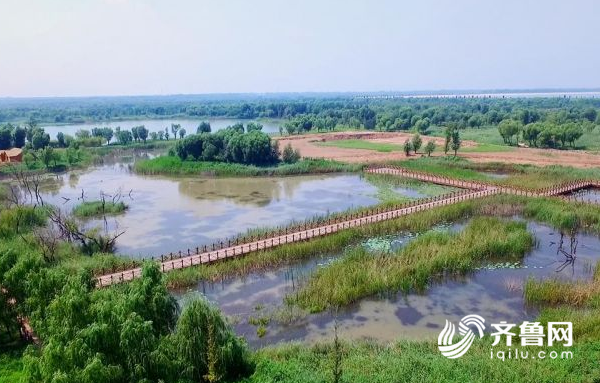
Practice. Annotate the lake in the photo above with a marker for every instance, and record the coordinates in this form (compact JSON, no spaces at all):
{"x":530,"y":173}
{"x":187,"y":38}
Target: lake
{"x":167,"y":214}
{"x":190,"y":125}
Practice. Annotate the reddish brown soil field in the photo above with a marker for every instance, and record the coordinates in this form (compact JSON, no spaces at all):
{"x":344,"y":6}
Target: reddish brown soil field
{"x":308,"y":146}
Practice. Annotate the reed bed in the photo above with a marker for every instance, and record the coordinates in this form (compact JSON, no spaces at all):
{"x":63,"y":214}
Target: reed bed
{"x":90,"y":209}
{"x":360,"y":274}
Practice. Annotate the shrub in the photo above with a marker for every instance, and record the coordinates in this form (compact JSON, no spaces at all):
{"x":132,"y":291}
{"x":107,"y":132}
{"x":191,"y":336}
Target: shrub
{"x":289,"y":155}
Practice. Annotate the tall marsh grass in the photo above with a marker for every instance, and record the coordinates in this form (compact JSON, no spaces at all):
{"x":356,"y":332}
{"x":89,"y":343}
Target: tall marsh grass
{"x":98,"y":208}
{"x":320,"y":246}
{"x":359,"y":273}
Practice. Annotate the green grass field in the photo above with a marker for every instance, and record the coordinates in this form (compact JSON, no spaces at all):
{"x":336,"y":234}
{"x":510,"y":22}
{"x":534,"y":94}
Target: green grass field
{"x":362,"y":144}
{"x":487,"y":148}
{"x":490,"y":136}
{"x":419,"y":362}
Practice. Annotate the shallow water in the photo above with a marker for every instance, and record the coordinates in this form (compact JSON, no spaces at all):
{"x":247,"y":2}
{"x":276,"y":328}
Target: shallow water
{"x":494,"y":292}
{"x":169,"y":214}
{"x":586,"y":195}
{"x":190,"y":125}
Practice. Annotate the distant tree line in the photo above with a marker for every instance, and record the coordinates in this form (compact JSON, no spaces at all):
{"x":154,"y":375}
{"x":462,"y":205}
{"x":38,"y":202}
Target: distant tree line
{"x":381,"y":114}
{"x":544,"y":134}
{"x":304,"y":114}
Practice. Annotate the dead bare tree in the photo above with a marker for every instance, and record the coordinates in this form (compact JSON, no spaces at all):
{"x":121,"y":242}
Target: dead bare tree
{"x":90,"y":240}
{"x":48,"y":242}
{"x":30,"y":185}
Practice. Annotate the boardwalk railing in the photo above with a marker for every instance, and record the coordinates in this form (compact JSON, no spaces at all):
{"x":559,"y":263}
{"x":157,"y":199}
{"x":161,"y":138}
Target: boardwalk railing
{"x":442,"y":180}
{"x":240,"y":246}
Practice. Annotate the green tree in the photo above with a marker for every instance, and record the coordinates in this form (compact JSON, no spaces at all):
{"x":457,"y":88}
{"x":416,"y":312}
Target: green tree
{"x":174,"y":129}
{"x":203,"y":127}
{"x":289,"y":155}
{"x":407,"y":147}
{"x":135,"y":133}
{"x":182,"y":133}
{"x":48,"y":156}
{"x":207,"y":346}
{"x":40,"y":139}
{"x":5,"y":138}
{"x":456,"y":141}
{"x":531,"y":132}
{"x":82,"y":134}
{"x":19,"y":136}
{"x":290,"y":127}
{"x":142,"y":133}
{"x":573,"y":132}
{"x":417,"y":141}
{"x":72,"y":155}
{"x":429,"y":148}
{"x":124,"y":137}
{"x":251,"y":126}
{"x":448,"y":139}
{"x":590,"y":114}
{"x":60,"y":138}
{"x":108,"y":134}
{"x":422,"y":125}
{"x":509,"y":129}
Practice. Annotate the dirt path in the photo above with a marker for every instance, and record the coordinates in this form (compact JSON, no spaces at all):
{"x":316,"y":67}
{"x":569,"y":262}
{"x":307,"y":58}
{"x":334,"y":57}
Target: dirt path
{"x":309,"y":147}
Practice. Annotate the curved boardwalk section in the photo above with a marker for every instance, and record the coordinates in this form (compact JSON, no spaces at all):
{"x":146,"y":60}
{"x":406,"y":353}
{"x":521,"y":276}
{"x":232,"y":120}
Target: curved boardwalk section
{"x":472,"y":190}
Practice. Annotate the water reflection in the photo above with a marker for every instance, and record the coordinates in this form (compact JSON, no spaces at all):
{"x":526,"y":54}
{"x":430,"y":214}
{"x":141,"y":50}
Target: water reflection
{"x":570,"y":254}
{"x":494,"y":291}
{"x":586,"y":195}
{"x":168,"y":214}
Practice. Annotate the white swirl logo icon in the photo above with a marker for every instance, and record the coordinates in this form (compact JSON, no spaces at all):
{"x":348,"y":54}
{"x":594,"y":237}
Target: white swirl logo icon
{"x":456,"y":350}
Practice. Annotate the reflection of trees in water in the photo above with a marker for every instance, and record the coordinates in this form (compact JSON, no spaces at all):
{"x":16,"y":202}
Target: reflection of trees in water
{"x":569,"y":251}
{"x":257,"y":192}
{"x":73,"y":180}
{"x":52,"y":184}
{"x":125,"y":157}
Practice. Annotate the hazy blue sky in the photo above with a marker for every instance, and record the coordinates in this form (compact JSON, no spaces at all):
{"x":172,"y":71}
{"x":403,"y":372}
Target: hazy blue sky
{"x":114,"y":47}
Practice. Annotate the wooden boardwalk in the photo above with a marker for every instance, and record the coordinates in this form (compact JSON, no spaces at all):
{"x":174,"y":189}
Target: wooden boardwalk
{"x":471,"y":190}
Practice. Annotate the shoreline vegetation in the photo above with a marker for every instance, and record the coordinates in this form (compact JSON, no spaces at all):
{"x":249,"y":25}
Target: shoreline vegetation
{"x":171,"y":165}
{"x":66,"y":159}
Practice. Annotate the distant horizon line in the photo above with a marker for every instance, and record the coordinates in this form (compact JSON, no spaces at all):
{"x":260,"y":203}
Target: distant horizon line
{"x":438,"y":92}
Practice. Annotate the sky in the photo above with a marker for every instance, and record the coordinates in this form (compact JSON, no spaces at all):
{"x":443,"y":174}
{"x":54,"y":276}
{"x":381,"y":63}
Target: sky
{"x":147,"y":47}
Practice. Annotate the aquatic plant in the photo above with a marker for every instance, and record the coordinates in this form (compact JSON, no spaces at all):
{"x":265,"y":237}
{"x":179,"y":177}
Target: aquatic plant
{"x":359,"y":274}
{"x":90,"y":209}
